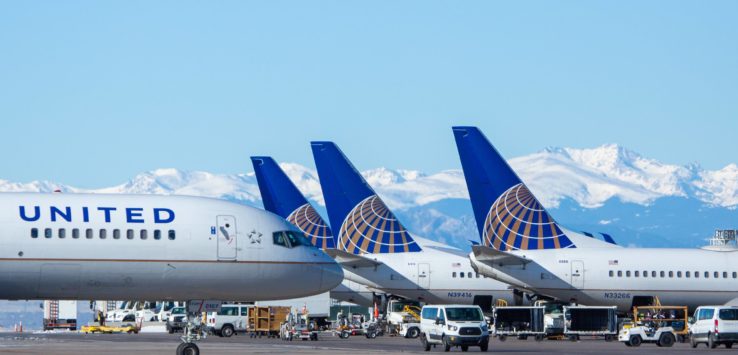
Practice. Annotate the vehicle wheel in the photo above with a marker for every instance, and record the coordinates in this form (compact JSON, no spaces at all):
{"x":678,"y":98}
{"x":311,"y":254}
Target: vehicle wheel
{"x":373,"y":335}
{"x":227,"y":331}
{"x":188,"y":349}
{"x":502,"y":337}
{"x":540,"y":337}
{"x":465,"y":348}
{"x":484,"y":346}
{"x":609,"y":338}
{"x":446,"y":344}
{"x":573,"y":338}
{"x":666,"y":340}
{"x":635,"y":340}
{"x":425,"y":343}
{"x":345,"y":334}
{"x":728,"y":345}
{"x":711,"y":341}
{"x":412,"y":333}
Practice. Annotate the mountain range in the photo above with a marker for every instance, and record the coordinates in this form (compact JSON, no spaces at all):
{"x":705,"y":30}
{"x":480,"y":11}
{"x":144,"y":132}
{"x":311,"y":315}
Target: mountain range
{"x":640,"y":201}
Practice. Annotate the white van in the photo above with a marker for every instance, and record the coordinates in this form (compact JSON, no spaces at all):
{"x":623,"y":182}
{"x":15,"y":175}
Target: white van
{"x":714,"y":325}
{"x":231,"y":318}
{"x":453,"y":325}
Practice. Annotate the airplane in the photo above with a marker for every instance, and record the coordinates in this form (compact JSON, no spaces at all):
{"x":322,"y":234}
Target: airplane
{"x":118,"y":246}
{"x":280,"y":196}
{"x":376,"y":250}
{"x":524,"y":246}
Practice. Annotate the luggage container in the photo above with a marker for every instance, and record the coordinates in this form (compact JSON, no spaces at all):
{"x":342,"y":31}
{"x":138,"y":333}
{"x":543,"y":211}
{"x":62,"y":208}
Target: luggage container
{"x":519,"y":321}
{"x":590,"y":321}
{"x":267,"y":320}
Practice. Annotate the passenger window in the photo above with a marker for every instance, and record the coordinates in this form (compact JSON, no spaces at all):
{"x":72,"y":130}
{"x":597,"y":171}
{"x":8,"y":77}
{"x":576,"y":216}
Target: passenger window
{"x":653,"y":273}
{"x":62,"y":233}
{"x":103,"y":233}
{"x":88,"y":233}
{"x":116,"y":233}
{"x":725,"y":274}
{"x":696,"y":274}
{"x":172,"y":234}
{"x":429,"y":313}
{"x":469,"y":275}
{"x":611,"y":273}
{"x":34,"y":233}
{"x":679,"y":274}
{"x":645,"y":273}
{"x":157,"y":234}
{"x":735,"y":275}
{"x":144,"y":234}
{"x":47,"y":233}
{"x":461,"y":275}
{"x":662,"y":274}
{"x":620,"y":273}
{"x":75,"y":233}
{"x":477,"y":275}
{"x":130,"y":234}
{"x":244,"y":311}
{"x":627,"y":273}
{"x":706,"y":313}
{"x":686,"y":274}
{"x":453,"y":274}
{"x":707,"y":275}
{"x":279,"y":239}
{"x":636,"y":273}
{"x":671,"y":274}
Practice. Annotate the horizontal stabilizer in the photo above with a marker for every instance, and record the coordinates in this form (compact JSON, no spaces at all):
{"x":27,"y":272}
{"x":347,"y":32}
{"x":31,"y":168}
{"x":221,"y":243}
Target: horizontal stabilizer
{"x":346,"y":259}
{"x":491,"y":256}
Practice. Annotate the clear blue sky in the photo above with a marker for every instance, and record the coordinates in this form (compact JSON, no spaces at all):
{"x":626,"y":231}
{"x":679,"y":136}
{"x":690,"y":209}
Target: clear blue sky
{"x":92,"y":93}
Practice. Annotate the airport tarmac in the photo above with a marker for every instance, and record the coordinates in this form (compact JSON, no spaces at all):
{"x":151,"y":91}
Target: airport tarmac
{"x":165,"y":344}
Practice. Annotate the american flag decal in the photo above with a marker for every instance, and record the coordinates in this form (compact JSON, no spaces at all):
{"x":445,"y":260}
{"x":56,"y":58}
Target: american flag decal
{"x":612,"y":262}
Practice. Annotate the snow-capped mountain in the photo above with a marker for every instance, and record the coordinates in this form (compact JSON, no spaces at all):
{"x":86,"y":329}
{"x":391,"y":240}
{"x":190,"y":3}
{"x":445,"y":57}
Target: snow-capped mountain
{"x":609,"y":183}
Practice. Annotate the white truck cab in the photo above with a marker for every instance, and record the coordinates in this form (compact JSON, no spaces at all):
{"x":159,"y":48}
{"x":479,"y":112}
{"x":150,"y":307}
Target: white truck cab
{"x":453,"y":325}
{"x":714,"y":325}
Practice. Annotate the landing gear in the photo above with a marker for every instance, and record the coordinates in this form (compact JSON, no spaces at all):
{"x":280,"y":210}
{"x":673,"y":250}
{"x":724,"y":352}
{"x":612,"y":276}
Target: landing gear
{"x":193,"y":331}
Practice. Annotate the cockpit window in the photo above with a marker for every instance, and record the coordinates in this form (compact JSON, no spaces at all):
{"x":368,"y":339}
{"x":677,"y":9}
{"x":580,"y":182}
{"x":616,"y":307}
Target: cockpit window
{"x":280,"y":240}
{"x":290,"y":239}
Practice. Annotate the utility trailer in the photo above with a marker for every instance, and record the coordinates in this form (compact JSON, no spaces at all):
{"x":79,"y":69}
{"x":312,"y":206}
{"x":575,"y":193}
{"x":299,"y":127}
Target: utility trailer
{"x":60,"y":315}
{"x":519,"y":321}
{"x":590,"y":321}
{"x":267,"y":320}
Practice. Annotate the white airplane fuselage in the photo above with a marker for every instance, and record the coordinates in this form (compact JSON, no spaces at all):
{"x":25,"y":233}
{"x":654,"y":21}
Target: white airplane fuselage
{"x":614,"y":276}
{"x":99,"y":246}
{"x":431,"y":276}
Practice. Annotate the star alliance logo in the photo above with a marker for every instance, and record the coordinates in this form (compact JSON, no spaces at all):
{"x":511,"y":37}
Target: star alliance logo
{"x":255,"y":237}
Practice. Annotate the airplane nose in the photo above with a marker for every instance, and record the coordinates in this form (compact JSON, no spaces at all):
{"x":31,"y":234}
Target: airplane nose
{"x":332,"y":274}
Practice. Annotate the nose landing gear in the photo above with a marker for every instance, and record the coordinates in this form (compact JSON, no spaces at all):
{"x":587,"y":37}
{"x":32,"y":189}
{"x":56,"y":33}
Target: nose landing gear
{"x":193,"y":331}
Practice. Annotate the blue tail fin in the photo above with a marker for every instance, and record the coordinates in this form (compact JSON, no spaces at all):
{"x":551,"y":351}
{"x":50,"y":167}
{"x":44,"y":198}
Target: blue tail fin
{"x":508,"y":216}
{"x":282,"y":197}
{"x":367,"y":225}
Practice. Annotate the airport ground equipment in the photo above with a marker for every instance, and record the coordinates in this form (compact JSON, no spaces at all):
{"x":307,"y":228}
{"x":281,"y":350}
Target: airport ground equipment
{"x":590,"y":321}
{"x":453,"y":326}
{"x":402,"y":317}
{"x":229,"y":320}
{"x":519,"y":321}
{"x":714,"y":325}
{"x":176,"y":320}
{"x":676,"y":317}
{"x":648,"y":333}
{"x":60,"y":315}
{"x":103,"y":329}
{"x":267,"y":320}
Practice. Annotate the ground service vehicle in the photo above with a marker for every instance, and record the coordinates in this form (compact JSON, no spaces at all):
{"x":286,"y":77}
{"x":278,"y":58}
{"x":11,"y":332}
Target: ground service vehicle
{"x":231,"y":318}
{"x":60,"y":315}
{"x":648,"y":333}
{"x":676,"y":317}
{"x":518,"y":321}
{"x":453,"y":325}
{"x":714,"y":325}
{"x":176,"y":320}
{"x":590,"y":321}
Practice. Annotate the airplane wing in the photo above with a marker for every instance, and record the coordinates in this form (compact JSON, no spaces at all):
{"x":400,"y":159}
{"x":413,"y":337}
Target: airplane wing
{"x":346,"y":259}
{"x":492,"y":256}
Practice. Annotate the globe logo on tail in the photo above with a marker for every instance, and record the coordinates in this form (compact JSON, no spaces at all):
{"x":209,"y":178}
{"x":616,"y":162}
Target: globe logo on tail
{"x":371,"y":228}
{"x":309,"y":221}
{"x":517,"y":221}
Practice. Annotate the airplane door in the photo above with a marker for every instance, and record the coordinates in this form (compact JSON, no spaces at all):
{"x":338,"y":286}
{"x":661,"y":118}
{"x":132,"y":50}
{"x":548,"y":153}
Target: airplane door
{"x":424,"y":276}
{"x":227,"y":239}
{"x":577,"y":274}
